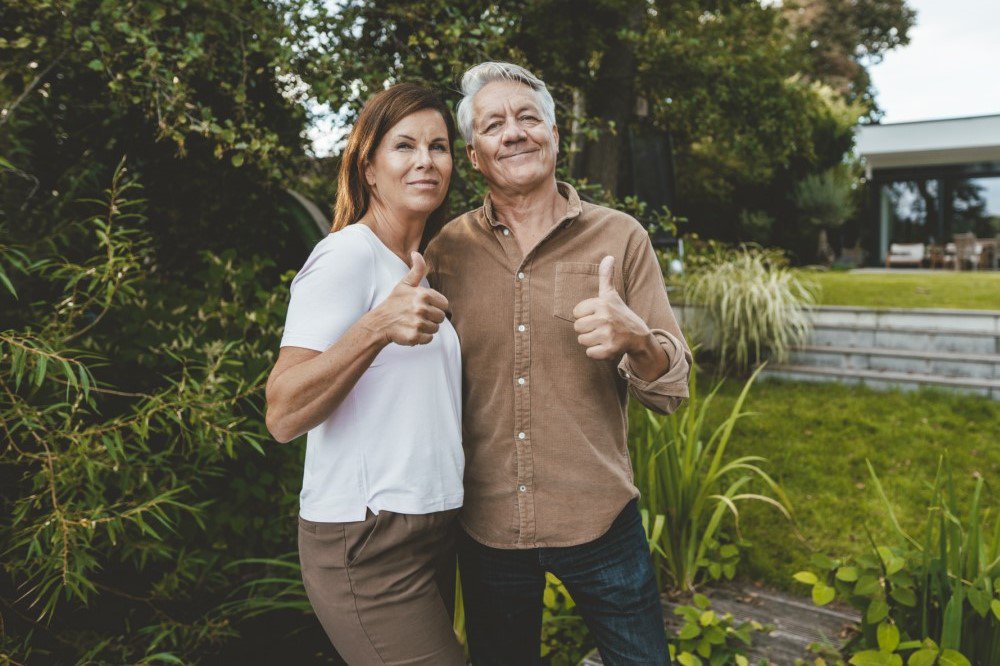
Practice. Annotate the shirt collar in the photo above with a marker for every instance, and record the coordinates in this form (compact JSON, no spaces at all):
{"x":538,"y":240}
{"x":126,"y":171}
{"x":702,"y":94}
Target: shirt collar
{"x":573,"y":208}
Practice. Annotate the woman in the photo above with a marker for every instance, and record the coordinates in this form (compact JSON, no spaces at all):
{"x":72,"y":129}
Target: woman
{"x":370,"y":368}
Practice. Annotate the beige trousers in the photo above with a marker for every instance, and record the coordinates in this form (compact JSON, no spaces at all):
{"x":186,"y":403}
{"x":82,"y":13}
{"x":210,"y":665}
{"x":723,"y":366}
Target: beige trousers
{"x":383,"y":587}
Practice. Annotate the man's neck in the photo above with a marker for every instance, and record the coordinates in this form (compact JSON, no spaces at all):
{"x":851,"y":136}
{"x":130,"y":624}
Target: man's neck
{"x":536,"y":209}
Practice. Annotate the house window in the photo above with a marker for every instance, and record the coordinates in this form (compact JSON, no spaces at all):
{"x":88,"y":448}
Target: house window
{"x":975,"y":206}
{"x":912,"y":211}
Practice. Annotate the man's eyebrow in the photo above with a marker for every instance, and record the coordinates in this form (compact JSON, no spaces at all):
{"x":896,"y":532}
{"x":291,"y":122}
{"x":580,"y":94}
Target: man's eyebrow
{"x":521,"y":109}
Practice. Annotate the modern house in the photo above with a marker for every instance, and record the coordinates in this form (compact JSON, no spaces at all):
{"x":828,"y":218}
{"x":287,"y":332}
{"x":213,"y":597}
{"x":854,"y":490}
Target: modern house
{"x":930,"y":180}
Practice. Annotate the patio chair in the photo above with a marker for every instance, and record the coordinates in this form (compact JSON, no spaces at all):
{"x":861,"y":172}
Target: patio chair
{"x":968,"y":249}
{"x":905,"y":254}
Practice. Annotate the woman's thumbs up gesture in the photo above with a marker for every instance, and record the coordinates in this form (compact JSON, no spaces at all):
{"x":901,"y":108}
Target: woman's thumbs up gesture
{"x":411,"y":314}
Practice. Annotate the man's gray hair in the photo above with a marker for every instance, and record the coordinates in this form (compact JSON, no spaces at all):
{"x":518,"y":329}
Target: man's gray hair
{"x":487,"y":72}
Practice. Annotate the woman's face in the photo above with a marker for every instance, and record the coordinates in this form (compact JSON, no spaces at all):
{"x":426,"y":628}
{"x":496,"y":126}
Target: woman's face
{"x":411,"y":168}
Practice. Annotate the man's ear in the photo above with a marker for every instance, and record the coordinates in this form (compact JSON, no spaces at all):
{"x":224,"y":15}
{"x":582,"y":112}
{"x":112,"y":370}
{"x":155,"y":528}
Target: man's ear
{"x":470,"y":152}
{"x":555,"y":135}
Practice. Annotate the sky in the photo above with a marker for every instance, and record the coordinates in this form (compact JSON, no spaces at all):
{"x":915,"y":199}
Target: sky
{"x":950,"y":68}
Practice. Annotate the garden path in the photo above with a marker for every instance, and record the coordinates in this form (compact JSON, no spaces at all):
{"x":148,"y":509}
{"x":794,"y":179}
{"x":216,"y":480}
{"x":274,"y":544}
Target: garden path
{"x":794,"y":622}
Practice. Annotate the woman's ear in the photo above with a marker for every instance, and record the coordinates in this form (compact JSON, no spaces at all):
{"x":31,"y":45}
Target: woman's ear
{"x":369,"y":174}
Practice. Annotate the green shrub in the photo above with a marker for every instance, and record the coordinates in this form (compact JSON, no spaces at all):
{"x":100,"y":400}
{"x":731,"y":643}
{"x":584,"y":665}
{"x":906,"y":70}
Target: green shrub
{"x":934,"y":598}
{"x":706,"y":637}
{"x":747,"y":308}
{"x":131,"y":440}
{"x":689,"y":488}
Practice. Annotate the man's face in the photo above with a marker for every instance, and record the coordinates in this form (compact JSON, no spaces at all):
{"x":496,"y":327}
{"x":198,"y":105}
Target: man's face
{"x":512,"y":146}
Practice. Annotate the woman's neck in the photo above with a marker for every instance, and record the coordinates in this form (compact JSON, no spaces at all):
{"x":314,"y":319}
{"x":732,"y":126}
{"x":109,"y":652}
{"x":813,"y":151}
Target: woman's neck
{"x":398,"y":232}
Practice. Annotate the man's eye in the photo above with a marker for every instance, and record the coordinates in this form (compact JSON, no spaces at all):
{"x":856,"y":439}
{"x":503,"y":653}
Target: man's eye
{"x":529,"y":119}
{"x":492,"y":126}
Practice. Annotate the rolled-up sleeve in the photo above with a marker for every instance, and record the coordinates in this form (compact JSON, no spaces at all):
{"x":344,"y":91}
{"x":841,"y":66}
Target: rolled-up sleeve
{"x":646,"y":295}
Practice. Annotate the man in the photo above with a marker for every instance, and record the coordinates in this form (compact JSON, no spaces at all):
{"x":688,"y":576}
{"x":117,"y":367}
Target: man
{"x":561,"y":309}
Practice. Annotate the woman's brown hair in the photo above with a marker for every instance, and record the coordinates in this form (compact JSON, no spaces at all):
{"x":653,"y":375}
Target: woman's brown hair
{"x":379,"y":114}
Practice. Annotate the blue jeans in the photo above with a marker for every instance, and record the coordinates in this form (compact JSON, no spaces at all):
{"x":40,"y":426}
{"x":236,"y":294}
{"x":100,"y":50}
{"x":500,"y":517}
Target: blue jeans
{"x":611,"y":580}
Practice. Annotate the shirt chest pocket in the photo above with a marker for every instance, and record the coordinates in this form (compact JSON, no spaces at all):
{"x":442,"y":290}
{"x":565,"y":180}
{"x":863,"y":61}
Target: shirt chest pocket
{"x":575,"y":282}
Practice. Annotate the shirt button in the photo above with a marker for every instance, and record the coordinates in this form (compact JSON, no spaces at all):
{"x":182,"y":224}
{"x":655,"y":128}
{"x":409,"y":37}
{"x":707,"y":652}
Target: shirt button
{"x":520,"y":380}
{"x":521,"y":435}
{"x":506,"y":232}
{"x":522,"y":488}
{"x":520,"y":328}
{"x":520,"y":276}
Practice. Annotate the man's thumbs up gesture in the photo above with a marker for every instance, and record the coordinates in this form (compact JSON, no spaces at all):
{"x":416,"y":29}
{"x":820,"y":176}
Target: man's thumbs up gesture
{"x":606,"y":326}
{"x":410,"y":314}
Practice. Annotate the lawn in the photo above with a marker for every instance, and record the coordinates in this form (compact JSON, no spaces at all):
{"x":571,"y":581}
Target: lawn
{"x":937,"y":289}
{"x":817,"y":438}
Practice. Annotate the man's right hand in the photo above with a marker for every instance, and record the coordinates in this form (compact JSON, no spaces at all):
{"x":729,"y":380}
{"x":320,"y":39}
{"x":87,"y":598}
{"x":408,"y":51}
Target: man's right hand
{"x":411,"y":314}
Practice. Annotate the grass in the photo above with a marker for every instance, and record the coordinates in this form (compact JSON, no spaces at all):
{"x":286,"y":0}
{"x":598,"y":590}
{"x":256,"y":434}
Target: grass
{"x":817,"y":437}
{"x":937,"y":289}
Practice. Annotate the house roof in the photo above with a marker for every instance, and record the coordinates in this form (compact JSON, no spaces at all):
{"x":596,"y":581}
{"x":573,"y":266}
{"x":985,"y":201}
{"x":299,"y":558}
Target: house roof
{"x":930,"y":142}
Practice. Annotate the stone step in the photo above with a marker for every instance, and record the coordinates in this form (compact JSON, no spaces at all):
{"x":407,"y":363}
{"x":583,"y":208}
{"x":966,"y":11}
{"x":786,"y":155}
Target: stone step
{"x":944,"y":364}
{"x":908,"y":338}
{"x":880,"y":379}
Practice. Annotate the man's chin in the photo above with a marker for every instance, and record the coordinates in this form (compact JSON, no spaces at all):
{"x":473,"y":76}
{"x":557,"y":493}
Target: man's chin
{"x":527,"y":178}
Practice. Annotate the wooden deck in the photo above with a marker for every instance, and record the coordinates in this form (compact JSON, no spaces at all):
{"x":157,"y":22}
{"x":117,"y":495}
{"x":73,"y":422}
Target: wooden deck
{"x":796,"y":623}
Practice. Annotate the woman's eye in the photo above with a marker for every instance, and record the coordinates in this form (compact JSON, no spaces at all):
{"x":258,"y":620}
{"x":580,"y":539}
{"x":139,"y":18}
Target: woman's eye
{"x":402,"y":146}
{"x":527,"y":119}
{"x":492,"y":127}
{"x":439,"y":146}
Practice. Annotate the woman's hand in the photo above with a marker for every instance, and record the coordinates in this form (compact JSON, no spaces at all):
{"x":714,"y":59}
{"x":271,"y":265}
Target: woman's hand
{"x":411,"y":314}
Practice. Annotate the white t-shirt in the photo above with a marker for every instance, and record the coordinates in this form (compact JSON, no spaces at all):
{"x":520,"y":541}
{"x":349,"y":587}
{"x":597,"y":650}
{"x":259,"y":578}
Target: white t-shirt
{"x":395,"y":442}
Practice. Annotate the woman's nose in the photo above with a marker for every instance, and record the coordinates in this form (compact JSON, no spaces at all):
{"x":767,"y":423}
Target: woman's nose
{"x":424,"y":160}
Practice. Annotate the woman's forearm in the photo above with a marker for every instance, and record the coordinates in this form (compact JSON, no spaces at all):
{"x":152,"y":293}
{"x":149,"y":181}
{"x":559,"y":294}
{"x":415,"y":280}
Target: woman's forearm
{"x":302,"y":396}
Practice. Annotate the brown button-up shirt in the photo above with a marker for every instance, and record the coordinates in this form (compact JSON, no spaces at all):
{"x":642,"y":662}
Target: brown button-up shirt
{"x":544,"y":426}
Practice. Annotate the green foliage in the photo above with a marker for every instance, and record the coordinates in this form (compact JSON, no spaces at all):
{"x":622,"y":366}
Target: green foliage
{"x":565,"y":640}
{"x":125,"y":405}
{"x":826,"y":200}
{"x":747,"y":308}
{"x":691,"y":491}
{"x":933,"y":598}
{"x":172,"y":62}
{"x":705,"y":637}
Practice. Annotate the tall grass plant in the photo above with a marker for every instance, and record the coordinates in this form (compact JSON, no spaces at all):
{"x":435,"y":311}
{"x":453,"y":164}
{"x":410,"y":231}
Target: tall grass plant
{"x":748,"y":308}
{"x":692,"y":493}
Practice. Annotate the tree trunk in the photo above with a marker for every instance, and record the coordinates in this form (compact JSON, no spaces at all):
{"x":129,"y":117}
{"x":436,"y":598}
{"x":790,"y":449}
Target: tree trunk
{"x":612,"y":99}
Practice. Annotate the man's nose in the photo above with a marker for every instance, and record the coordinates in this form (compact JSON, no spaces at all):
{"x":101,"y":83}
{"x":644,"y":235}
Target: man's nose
{"x":513,"y":133}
